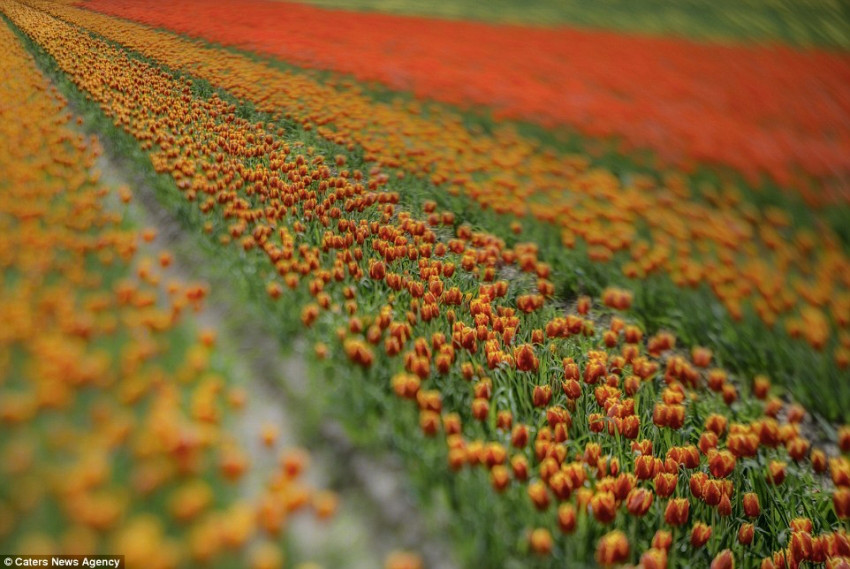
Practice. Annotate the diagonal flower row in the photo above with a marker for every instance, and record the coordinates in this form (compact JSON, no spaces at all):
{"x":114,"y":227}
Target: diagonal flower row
{"x":115,"y":427}
{"x":757,"y":264}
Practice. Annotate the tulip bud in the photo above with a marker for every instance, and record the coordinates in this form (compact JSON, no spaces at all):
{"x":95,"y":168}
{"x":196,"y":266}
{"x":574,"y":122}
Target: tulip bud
{"x":841,"y":502}
{"x":721,"y":464}
{"x":700,"y":534}
{"x":604,"y":507}
{"x":654,"y":559}
{"x":639,"y":501}
{"x":662,"y":539}
{"x":752,"y":508}
{"x":775,"y":472}
{"x":612,"y":549}
{"x":665,"y":484}
{"x":540,"y":541}
{"x":723,"y":560}
{"x":745,"y":534}
{"x":567,"y":518}
{"x":677,"y":511}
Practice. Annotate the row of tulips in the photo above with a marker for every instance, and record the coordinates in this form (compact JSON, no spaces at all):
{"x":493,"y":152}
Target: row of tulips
{"x":575,"y":418}
{"x":117,"y":429}
{"x":763,"y":110}
{"x":763,"y":270}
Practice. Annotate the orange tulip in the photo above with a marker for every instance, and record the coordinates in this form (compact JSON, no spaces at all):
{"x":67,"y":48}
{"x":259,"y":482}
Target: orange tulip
{"x":612,"y":549}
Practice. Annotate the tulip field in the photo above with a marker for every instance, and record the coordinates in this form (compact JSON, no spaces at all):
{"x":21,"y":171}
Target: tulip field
{"x":319,"y":285}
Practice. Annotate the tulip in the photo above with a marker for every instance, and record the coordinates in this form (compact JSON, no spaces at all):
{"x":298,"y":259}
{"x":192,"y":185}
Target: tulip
{"x":540,"y":541}
{"x":639,"y":501}
{"x":775,"y":472}
{"x":519,"y":465}
{"x":654,"y":559}
{"x":525,"y":358}
{"x":539,"y":495}
{"x":646,"y":466}
{"x":819,"y":462}
{"x":700,"y":534}
{"x":801,"y":524}
{"x":677,"y":511}
{"x":844,"y":438}
{"x":623,"y":485}
{"x":723,"y":560}
{"x":724,"y":508}
{"x":707,"y":442}
{"x":716,"y":424}
{"x":612,"y":549}
{"x":745,"y":534}
{"x":541,"y":395}
{"x":800,"y":545}
{"x":797,"y":448}
{"x":665,"y":484}
{"x":752,"y":508}
{"x":604,"y":507}
{"x":721,"y":464}
{"x":841,"y":502}
{"x":567,"y":518}
{"x":697,"y":484}
{"x":662,"y":539}
{"x":712,"y":492}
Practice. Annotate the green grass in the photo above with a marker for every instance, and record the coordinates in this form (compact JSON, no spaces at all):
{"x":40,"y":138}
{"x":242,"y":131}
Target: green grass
{"x":810,"y":23}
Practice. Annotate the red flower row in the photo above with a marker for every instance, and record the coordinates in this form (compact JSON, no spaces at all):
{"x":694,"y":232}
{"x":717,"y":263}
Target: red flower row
{"x":757,"y":109}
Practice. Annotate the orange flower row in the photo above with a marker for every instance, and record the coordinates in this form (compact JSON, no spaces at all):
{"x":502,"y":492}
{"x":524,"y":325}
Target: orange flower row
{"x":108,"y":404}
{"x":755,"y":263}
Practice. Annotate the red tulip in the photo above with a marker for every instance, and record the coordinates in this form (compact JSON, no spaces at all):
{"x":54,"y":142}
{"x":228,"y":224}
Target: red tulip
{"x":677,"y":511}
{"x":639,"y":501}
{"x":752,"y":507}
{"x":723,"y":560}
{"x":700,"y":534}
{"x":745,"y":534}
